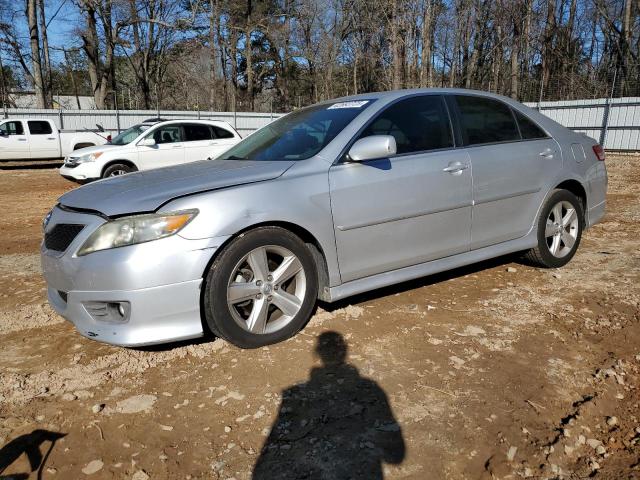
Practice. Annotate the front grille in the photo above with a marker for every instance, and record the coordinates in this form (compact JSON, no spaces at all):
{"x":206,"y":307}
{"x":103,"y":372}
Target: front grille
{"x":61,"y":235}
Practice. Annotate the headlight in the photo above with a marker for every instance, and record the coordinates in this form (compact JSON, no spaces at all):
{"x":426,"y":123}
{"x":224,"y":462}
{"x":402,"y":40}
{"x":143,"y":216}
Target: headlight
{"x":90,"y":157}
{"x":136,"y":229}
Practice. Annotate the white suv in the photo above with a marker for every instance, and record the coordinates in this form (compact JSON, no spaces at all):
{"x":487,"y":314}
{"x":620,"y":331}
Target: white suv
{"x":151,"y":145}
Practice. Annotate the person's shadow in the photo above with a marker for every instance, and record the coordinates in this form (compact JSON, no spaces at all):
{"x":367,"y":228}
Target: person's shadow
{"x":30,"y":445}
{"x":337,"y":425}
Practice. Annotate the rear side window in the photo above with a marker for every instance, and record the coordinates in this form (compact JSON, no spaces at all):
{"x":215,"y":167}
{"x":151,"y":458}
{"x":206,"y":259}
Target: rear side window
{"x":12,"y":128}
{"x":483,"y":120}
{"x":222,"y":132}
{"x":528,"y":129}
{"x":38,"y":127}
{"x":417,"y":123}
{"x":168,"y":134}
{"x":196,"y":131}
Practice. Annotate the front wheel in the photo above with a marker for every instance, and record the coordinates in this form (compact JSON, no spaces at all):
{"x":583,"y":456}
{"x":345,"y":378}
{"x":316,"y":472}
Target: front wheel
{"x":261,"y":289}
{"x":117,"y":169}
{"x":560,"y":226}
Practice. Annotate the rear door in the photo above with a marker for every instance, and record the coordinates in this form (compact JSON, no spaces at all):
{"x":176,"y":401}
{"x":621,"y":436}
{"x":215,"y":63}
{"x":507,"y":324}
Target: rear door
{"x":13,"y":140}
{"x":224,"y":140}
{"x":199,"y":141}
{"x":168,"y":149}
{"x":43,"y":140}
{"x":509,"y":168}
{"x":407,"y":209}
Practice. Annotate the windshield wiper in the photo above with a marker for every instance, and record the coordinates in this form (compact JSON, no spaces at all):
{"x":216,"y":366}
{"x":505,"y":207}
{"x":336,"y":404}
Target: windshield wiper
{"x":235,"y":157}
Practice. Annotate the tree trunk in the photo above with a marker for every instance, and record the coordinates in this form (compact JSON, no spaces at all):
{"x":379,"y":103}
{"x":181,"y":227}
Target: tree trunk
{"x":395,"y":47}
{"x":547,"y":47}
{"x":213,"y":52}
{"x":248,"y":54}
{"x":34,"y":41}
{"x":425,"y":54}
{"x":514,"y":58}
{"x":47,"y":79}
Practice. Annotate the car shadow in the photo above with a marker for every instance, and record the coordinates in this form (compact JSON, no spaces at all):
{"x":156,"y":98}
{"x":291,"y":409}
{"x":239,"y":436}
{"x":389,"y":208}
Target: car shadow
{"x":29,"y":444}
{"x":337,"y":424}
{"x":30,"y":166}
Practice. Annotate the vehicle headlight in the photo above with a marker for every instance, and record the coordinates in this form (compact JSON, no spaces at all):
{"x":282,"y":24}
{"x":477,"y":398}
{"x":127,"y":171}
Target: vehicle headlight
{"x":89,"y":157}
{"x":136,"y":229}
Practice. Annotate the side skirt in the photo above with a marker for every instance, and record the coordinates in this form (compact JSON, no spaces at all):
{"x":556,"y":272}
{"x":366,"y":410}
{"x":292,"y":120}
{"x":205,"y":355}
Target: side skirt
{"x":429,"y":268}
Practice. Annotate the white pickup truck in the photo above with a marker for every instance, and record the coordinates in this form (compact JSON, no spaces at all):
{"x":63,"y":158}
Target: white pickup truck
{"x":32,"y":138}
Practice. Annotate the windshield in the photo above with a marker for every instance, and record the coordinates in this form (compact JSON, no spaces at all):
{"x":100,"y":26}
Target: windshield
{"x":299,"y":135}
{"x":129,"y":135}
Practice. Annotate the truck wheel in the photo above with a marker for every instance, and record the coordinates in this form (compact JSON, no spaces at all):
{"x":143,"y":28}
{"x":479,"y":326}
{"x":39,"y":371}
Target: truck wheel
{"x":118,"y":169}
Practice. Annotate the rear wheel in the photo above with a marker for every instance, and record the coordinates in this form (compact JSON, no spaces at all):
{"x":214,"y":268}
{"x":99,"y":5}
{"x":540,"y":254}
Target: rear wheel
{"x":560,"y":228}
{"x":118,"y":169}
{"x":261,"y":289}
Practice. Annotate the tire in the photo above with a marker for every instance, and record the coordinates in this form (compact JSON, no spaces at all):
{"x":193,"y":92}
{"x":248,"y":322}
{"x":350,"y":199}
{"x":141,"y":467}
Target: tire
{"x":251,"y":305}
{"x":557,"y":245}
{"x":117,"y":169}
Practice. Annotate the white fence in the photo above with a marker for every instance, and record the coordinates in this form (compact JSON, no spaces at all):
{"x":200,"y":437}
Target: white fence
{"x":116,"y":120}
{"x":614,"y":123}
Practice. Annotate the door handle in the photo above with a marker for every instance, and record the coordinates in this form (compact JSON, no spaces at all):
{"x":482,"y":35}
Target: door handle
{"x":176,"y":146}
{"x":50,"y":138}
{"x":548,"y":153}
{"x":455,"y":168}
{"x":22,"y":139}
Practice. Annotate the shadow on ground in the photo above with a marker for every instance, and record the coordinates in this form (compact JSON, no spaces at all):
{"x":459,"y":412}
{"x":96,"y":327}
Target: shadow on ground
{"x":31,"y":445}
{"x":338,"y":424}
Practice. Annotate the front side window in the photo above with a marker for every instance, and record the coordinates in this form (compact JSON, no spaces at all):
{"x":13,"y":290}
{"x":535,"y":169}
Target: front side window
{"x":12,"y":128}
{"x":129,"y":135}
{"x":418,"y":124}
{"x":484,"y":120}
{"x":528,"y":129}
{"x":197,"y":131}
{"x":167,"y":134}
{"x":38,"y":127}
{"x":299,"y":135}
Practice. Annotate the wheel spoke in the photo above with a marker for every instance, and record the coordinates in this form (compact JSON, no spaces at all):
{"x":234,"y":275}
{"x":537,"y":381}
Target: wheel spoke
{"x":557,"y":213}
{"x":257,"y":320}
{"x":569,"y":217}
{"x":241,"y":291}
{"x":550,"y":229}
{"x":568,"y":240}
{"x":555,"y":245}
{"x":257,"y":260}
{"x":287,"y":269}
{"x":289,"y":304}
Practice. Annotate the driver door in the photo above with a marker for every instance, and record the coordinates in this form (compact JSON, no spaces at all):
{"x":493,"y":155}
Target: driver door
{"x":13,"y":141}
{"x":168,"y":149}
{"x":410,"y":208}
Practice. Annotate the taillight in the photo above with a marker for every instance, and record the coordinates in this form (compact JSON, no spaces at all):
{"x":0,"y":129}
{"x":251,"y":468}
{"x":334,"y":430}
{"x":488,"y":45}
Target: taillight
{"x":108,"y":138}
{"x":599,"y":151}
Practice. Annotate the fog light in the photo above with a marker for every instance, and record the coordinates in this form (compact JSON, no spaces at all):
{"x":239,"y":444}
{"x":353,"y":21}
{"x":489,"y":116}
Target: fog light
{"x":110,"y":312}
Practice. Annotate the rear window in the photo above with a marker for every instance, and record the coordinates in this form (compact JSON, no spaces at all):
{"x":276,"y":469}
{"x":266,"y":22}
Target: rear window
{"x":528,"y":129}
{"x":222,"y":133}
{"x":196,"y":131}
{"x":38,"y":127}
{"x":484,"y":120}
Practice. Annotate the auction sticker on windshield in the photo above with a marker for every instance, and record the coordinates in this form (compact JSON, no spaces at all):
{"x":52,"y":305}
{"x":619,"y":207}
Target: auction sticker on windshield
{"x":348,"y":104}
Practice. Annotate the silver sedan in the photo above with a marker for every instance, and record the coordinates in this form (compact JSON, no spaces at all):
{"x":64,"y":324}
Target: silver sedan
{"x":329,"y":201}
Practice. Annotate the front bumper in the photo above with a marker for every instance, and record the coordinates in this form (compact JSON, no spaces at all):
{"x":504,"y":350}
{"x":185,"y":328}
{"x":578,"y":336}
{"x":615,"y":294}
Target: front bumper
{"x":159,"y":281}
{"x":81,"y":172}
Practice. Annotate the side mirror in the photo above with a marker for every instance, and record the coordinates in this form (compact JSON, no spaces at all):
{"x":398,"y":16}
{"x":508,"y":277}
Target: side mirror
{"x":373,"y":147}
{"x":147,"y":142}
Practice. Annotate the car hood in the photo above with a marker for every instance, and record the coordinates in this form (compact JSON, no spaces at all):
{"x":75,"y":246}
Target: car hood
{"x":148,"y":190}
{"x":95,"y":149}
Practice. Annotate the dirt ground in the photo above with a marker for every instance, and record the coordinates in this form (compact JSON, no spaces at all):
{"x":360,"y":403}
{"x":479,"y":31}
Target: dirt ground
{"x":480,"y":373}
